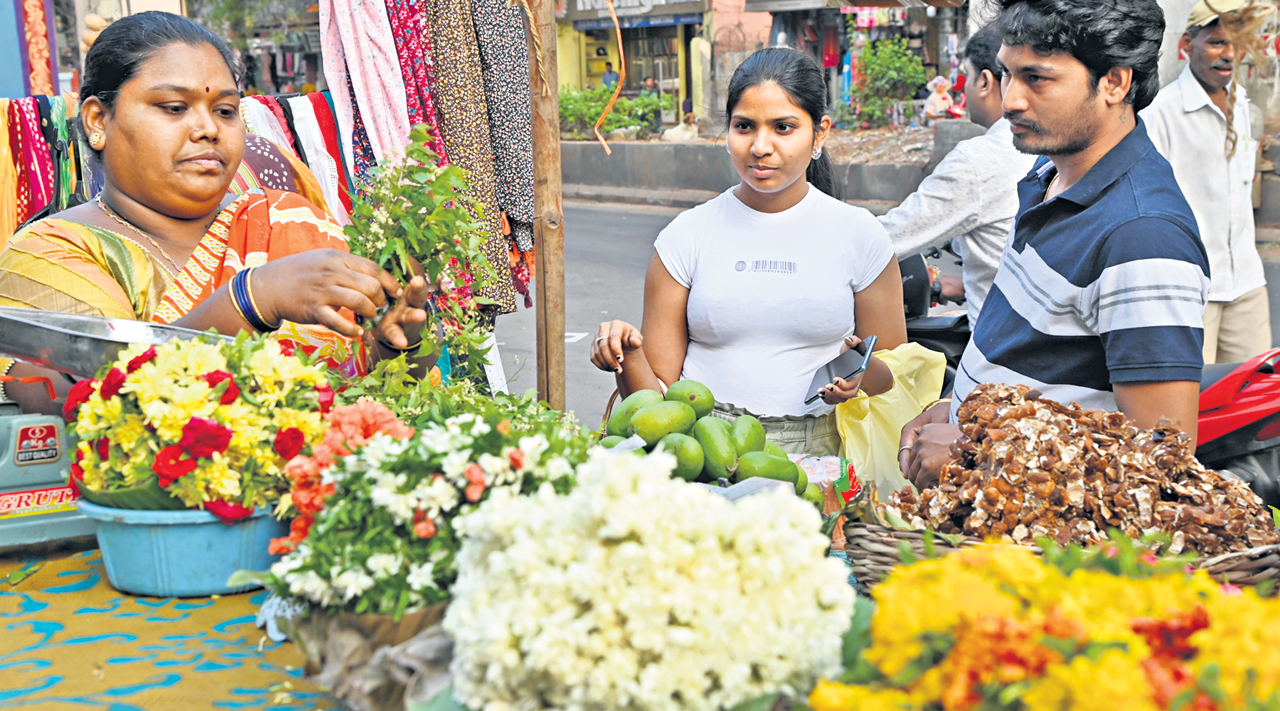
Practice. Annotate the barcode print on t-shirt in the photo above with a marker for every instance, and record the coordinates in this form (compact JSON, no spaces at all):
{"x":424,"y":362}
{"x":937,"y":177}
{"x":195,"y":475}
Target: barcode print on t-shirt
{"x":773,"y":267}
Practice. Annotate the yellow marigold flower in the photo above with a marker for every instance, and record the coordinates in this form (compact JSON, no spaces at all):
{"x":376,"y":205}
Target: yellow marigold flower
{"x":1115,"y":681}
{"x":1242,"y":636}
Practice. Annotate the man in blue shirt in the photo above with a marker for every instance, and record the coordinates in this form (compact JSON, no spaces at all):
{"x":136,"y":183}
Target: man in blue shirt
{"x":1100,"y":293}
{"x":610,"y":77}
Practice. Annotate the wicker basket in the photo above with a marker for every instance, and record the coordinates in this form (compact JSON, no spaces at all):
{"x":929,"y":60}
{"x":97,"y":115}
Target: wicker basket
{"x":874,"y":551}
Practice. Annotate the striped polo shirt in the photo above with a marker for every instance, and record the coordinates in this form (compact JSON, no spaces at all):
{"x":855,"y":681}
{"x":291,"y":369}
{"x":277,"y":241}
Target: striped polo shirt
{"x":1105,"y":283}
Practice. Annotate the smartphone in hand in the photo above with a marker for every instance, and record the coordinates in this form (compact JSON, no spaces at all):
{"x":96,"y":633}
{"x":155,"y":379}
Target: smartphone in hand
{"x":846,"y":366}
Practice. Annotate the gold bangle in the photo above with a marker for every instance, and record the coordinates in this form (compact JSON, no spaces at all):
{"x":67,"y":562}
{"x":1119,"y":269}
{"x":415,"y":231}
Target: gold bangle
{"x":939,"y":401}
{"x":248,"y":283}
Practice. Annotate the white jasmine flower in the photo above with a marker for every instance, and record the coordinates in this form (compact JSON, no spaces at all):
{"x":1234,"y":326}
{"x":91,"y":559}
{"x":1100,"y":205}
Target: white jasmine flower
{"x":639,"y":591}
{"x":352,"y":583}
{"x":558,"y":468}
{"x":384,"y":565}
{"x":534,"y":447}
{"x":421,"y":576}
{"x":311,"y":586}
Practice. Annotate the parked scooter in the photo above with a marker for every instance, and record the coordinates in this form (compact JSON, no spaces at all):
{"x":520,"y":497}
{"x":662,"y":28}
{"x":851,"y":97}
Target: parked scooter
{"x":1239,"y":421}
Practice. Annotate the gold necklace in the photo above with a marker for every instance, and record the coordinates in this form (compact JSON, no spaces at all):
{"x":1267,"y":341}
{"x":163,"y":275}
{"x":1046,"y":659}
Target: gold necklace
{"x":130,"y":225}
{"x":1052,"y":183}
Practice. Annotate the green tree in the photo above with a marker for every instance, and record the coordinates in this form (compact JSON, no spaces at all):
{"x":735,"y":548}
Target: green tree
{"x":890,"y":73}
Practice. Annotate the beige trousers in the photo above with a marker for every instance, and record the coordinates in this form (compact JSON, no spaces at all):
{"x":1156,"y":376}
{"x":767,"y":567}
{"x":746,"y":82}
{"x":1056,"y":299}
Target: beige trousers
{"x":1235,"y":331}
{"x":816,"y":436}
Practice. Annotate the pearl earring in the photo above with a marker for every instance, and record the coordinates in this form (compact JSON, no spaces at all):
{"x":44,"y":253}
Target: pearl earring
{"x":817,"y":153}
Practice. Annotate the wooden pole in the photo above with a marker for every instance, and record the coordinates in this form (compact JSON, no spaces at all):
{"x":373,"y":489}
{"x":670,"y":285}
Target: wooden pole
{"x":548,"y":226}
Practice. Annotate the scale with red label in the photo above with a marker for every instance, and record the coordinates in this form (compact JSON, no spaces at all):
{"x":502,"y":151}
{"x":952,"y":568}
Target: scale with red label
{"x":36,"y":505}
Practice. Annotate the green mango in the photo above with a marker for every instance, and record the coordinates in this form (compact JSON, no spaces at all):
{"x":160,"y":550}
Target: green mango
{"x":612,"y":441}
{"x":689,"y":457}
{"x":775,"y":449}
{"x":620,"y":420}
{"x":720,"y":459}
{"x":653,"y":422}
{"x":747,"y":434}
{"x":759,"y":464}
{"x":693,"y":394}
{"x":802,"y":479}
{"x":813,"y":495}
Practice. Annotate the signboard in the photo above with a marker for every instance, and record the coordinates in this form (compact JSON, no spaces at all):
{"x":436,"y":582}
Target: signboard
{"x":592,"y":10}
{"x":37,"y":501}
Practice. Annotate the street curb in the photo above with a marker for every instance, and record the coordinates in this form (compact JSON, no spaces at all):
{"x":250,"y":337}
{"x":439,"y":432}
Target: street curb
{"x":683,"y":199}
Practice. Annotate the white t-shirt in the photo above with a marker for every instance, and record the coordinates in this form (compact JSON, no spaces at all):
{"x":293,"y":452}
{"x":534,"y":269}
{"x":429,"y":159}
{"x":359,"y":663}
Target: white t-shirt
{"x":770,"y":295}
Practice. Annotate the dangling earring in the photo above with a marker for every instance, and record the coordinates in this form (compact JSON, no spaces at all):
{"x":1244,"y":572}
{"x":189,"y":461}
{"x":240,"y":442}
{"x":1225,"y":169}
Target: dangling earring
{"x":817,"y":153}
{"x":95,"y":140}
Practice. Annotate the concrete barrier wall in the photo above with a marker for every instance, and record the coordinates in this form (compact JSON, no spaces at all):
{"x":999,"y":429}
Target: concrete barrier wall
{"x":706,"y":167}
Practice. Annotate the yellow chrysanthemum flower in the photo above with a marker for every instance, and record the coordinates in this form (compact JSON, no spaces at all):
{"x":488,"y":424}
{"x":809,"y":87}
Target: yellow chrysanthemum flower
{"x":830,"y":696}
{"x":218,"y":478}
{"x":130,"y":429}
{"x":277,"y":374}
{"x":312,"y":424}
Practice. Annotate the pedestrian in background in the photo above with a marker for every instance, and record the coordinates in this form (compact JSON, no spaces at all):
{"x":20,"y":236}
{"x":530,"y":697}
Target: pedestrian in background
{"x":650,"y":88}
{"x":610,"y":77}
{"x":972,"y":196}
{"x":1204,"y":134}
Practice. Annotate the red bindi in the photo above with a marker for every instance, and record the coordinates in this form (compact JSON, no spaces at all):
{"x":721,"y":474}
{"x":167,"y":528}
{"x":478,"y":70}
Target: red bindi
{"x":206,"y":90}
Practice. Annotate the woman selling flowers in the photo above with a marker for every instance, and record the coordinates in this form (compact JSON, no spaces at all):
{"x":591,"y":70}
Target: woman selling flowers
{"x":165,"y":242}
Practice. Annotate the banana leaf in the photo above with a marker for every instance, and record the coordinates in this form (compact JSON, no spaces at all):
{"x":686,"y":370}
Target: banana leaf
{"x":144,"y":497}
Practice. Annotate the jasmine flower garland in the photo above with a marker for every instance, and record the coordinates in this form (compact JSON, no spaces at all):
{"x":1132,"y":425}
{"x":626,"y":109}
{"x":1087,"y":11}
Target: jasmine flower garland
{"x":642,"y":592}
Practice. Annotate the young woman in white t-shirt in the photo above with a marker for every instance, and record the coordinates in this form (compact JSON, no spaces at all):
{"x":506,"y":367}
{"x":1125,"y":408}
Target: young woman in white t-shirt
{"x":754,"y":291}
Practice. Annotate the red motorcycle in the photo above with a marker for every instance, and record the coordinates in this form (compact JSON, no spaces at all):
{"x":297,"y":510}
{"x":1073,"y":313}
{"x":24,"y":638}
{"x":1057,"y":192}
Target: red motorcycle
{"x":1240,"y":422}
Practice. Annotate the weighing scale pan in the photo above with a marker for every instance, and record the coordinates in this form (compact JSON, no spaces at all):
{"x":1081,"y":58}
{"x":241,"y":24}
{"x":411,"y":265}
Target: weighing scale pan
{"x":76,"y":344}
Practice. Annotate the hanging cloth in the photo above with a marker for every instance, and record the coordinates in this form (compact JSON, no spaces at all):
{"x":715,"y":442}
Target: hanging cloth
{"x":504,"y":65}
{"x":342,"y":151}
{"x":290,"y":124}
{"x":35,"y":154}
{"x":358,"y":33}
{"x":329,"y":132}
{"x":281,"y":120}
{"x":325,"y":168}
{"x":8,"y":180}
{"x":361,"y":150}
{"x":413,"y":46}
{"x":259,"y":121}
{"x":464,"y":122}
{"x":17,"y":149}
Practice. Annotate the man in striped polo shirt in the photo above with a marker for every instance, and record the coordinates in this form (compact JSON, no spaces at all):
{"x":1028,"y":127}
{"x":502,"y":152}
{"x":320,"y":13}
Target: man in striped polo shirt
{"x":1100,"y":294}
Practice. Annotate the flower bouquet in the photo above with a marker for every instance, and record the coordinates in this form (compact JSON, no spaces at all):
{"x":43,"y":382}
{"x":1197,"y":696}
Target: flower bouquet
{"x":1114,"y":628}
{"x":197,"y":424}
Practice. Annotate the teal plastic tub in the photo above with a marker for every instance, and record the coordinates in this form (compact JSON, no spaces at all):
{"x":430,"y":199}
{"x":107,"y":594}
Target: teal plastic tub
{"x":181,"y":553}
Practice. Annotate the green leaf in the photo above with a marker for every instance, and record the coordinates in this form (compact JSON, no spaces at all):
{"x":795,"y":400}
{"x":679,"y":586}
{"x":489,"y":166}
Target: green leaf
{"x":21,"y":574}
{"x":858,"y":638}
{"x":760,"y":703}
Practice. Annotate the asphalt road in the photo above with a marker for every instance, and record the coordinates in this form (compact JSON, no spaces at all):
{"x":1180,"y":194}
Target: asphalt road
{"x":606,"y":250}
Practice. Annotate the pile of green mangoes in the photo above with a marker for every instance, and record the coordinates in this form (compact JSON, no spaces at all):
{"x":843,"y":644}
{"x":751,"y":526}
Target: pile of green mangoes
{"x":706,"y":448}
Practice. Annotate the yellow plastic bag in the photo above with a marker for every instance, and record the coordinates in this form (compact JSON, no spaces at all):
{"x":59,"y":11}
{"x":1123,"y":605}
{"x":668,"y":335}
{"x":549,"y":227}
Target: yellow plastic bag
{"x":871,"y":427}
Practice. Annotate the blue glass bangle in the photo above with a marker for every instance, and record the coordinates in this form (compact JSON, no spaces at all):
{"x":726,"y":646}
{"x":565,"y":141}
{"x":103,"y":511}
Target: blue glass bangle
{"x":244,"y":303}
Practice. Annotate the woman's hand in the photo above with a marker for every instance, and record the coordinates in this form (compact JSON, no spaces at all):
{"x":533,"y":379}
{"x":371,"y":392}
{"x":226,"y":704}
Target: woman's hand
{"x":401,"y":327}
{"x":310,"y":287}
{"x":844,"y":390}
{"x":615,"y":340}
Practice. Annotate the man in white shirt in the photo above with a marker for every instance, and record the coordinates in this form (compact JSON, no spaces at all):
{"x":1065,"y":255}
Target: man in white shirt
{"x":1188,"y":123}
{"x":972,"y":196}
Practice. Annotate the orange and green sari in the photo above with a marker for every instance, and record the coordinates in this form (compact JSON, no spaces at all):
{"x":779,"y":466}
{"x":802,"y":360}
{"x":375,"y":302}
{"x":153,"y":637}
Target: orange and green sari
{"x":57,"y":265}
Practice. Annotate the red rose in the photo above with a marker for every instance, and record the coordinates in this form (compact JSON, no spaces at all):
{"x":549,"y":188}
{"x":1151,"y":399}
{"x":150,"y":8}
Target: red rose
{"x":289,"y":442}
{"x":78,"y":396}
{"x":170,"y":466}
{"x":518,"y":459}
{"x":77,"y":476}
{"x":324,"y":395}
{"x":103,"y":447}
{"x":146,"y":357}
{"x":112,"y":383}
{"x":201,"y":437}
{"x":227,"y":511}
{"x":424,"y":529}
{"x":231,"y":393}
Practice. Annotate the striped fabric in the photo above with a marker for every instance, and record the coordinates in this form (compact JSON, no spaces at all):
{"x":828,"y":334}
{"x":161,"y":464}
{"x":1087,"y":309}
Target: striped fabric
{"x":1106,"y":283}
